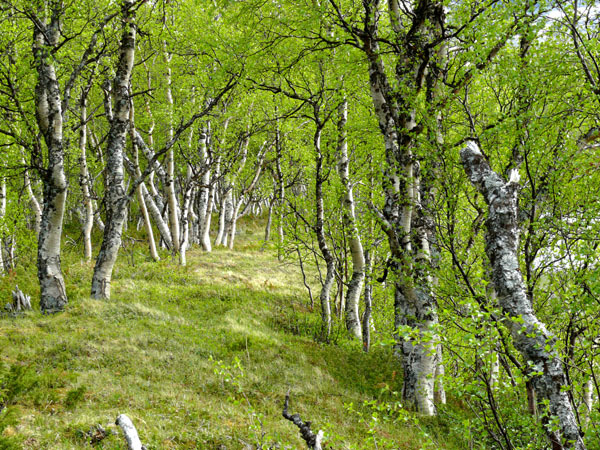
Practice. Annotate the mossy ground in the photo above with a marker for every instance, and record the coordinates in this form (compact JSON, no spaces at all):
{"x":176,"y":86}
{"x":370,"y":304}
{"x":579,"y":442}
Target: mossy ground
{"x":199,"y":357}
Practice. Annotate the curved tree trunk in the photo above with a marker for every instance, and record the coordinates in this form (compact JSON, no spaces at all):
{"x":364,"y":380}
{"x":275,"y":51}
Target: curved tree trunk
{"x":349,"y":219}
{"x":530,"y":336}
{"x":116,"y":198}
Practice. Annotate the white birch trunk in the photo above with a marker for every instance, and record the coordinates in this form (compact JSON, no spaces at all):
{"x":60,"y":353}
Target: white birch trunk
{"x":321,"y":240}
{"x":84,"y":183}
{"x":116,"y":198}
{"x":530,"y":336}
{"x":349,"y":219}
{"x":49,"y":114}
{"x":140,"y":193}
{"x":170,"y":162}
{"x":205,"y":193}
{"x":34,"y":202}
{"x":2,"y":214}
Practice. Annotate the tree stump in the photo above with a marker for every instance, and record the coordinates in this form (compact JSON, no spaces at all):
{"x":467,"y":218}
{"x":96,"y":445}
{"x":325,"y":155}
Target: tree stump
{"x":21,"y":301}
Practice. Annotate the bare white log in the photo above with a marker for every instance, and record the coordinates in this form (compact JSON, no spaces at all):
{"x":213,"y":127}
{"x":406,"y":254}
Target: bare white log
{"x":130,"y":433}
{"x":530,"y":335}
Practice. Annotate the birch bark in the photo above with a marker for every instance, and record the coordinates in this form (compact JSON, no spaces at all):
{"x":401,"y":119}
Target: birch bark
{"x":170,"y":162}
{"x":531,"y":338}
{"x":84,"y":180}
{"x":414,"y":304}
{"x":349,"y":219}
{"x":49,"y":115}
{"x":2,"y":214}
{"x":116,"y":198}
{"x":321,"y":240}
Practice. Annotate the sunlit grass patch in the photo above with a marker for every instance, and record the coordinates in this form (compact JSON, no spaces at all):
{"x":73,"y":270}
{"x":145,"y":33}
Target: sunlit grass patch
{"x":198,"y":356}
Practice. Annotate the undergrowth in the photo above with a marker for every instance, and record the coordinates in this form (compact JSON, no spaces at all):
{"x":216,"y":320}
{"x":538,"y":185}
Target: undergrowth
{"x":198,"y":356}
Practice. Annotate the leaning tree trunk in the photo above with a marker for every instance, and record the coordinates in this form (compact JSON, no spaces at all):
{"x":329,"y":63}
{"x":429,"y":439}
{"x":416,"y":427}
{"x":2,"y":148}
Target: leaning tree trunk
{"x":115,"y":198}
{"x":349,"y":218}
{"x":141,"y":190}
{"x":49,"y":114}
{"x":530,"y":335}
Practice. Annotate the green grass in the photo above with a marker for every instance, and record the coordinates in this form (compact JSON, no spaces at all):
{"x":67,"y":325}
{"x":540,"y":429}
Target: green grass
{"x":198,"y":356}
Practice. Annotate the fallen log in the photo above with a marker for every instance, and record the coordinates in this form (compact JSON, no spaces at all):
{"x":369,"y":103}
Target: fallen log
{"x":130,"y":433}
{"x":312,"y":440}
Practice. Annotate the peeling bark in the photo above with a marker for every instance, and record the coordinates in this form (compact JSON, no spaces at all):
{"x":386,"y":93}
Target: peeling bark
{"x":49,"y":115}
{"x":531,"y":337}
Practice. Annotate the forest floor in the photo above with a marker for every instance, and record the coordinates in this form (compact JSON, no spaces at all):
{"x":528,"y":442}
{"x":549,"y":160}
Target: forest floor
{"x":199,"y":357}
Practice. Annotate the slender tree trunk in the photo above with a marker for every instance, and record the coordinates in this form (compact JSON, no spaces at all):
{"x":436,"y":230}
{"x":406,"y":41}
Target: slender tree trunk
{"x":35,"y":204}
{"x":530,"y":336}
{"x":349,"y":220}
{"x":185,"y":212}
{"x":170,"y":175}
{"x":204,"y":192}
{"x":2,"y":214}
{"x":140,"y":192}
{"x":116,"y":199}
{"x":368,"y":296}
{"x":321,"y":240}
{"x":155,"y":213}
{"x":84,"y":181}
{"x":49,"y":114}
{"x":280,"y":191}
{"x":269,"y":222}
{"x":234,"y":219}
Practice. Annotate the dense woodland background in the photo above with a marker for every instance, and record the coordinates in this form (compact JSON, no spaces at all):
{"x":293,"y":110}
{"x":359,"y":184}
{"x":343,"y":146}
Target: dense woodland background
{"x":389,"y":207}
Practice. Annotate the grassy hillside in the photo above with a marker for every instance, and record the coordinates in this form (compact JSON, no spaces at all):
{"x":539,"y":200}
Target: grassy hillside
{"x":198,"y":357}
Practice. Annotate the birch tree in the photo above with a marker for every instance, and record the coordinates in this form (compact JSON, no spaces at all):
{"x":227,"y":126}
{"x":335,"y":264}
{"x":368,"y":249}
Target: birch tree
{"x":531,"y":336}
{"x":115,"y":198}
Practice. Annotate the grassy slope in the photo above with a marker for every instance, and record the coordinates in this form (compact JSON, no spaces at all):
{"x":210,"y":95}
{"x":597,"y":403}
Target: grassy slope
{"x":164,"y":351}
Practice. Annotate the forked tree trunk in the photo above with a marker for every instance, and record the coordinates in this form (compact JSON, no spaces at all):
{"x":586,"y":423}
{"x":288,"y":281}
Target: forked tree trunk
{"x":49,"y":114}
{"x":530,"y":336}
{"x":115,"y":198}
{"x":349,"y":219}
